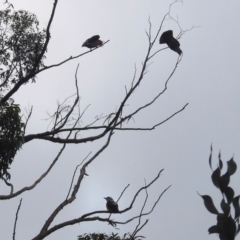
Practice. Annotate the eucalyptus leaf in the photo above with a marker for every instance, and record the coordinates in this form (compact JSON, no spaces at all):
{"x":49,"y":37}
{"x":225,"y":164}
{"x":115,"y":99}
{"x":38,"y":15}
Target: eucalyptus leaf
{"x":236,"y":206}
{"x":232,"y":166}
{"x":216,"y":176}
{"x":208,"y":202}
{"x":229,"y":193}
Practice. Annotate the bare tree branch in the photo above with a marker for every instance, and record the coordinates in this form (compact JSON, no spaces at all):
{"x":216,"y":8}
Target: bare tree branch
{"x":28,"y":117}
{"x":45,"y":135}
{"x":137,"y":229}
{"x":147,"y":213}
{"x":156,"y":125}
{"x":154,"y":99}
{"x":123,"y":192}
{"x":45,"y":231}
{"x":85,"y":218}
{"x":109,"y":128}
{"x":15,"y":223}
{"x":115,"y":120}
{"x":49,"y":135}
{"x":75,"y":173}
{"x":120,"y":196}
{"x":133,"y":236}
{"x":70,"y":58}
{"x":8,"y":184}
{"x":73,"y":106}
{"x":12,"y":195}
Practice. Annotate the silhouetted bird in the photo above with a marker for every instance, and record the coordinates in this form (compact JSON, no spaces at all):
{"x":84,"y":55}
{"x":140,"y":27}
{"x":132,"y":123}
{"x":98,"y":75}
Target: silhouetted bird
{"x":173,"y":43}
{"x":93,"y":42}
{"x":111,"y":205}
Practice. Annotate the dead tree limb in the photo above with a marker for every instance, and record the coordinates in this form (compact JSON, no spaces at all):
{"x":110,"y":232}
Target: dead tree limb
{"x":16,"y":218}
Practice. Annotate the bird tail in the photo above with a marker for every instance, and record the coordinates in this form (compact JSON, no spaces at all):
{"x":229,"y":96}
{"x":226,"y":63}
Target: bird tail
{"x":100,"y":43}
{"x":179,"y":51}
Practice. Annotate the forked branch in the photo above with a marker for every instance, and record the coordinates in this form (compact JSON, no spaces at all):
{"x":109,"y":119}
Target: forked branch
{"x":114,"y":120}
{"x":86,"y":217}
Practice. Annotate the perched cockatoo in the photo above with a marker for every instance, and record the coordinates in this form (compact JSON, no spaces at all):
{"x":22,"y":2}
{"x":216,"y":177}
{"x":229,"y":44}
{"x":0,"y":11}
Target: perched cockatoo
{"x":93,"y":42}
{"x":173,"y":43}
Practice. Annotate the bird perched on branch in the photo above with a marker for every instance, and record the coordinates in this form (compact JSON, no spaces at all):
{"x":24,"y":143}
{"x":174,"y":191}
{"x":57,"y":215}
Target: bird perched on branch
{"x":93,"y":42}
{"x":111,"y":205}
{"x":173,"y":43}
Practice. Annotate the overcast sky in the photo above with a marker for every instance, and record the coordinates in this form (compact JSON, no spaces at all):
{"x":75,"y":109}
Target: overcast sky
{"x":207,"y":78}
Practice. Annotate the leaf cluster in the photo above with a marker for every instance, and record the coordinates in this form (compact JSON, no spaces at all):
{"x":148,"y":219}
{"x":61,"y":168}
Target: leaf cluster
{"x":21,"y":43}
{"x":227,"y":225}
{"x":11,"y":135}
{"x":103,"y":236}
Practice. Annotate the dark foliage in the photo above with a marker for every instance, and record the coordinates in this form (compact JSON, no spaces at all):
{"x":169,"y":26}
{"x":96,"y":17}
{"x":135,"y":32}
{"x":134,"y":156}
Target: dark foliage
{"x":227,"y":226}
{"x":11,"y":135}
{"x":103,"y":236}
{"x":21,"y":43}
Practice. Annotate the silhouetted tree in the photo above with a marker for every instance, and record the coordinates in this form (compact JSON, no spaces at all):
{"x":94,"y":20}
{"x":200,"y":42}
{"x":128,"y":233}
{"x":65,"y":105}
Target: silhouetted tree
{"x":22,"y":54}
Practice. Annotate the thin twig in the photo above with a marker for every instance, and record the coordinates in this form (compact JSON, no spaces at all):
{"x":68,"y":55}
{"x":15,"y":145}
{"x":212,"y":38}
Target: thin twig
{"x":8,"y":184}
{"x":123,"y":192}
{"x":75,"y":173}
{"x":70,"y":58}
{"x":138,"y":230}
{"x":139,"y":219}
{"x":147,"y":213}
{"x":120,"y":196}
{"x":16,"y":218}
{"x":28,"y":117}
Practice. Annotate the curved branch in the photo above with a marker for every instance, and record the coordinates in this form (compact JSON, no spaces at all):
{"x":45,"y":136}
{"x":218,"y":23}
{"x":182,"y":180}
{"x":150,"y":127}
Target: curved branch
{"x":27,"y":118}
{"x":137,"y":229}
{"x":156,"y":125}
{"x":61,"y":140}
{"x":12,"y":195}
{"x":65,"y":119}
{"x":155,"y":98}
{"x":8,"y":184}
{"x":147,"y":213}
{"x":44,"y":136}
{"x":84,"y":218}
{"x":69,"y":59}
{"x":16,"y":218}
{"x":75,"y":174}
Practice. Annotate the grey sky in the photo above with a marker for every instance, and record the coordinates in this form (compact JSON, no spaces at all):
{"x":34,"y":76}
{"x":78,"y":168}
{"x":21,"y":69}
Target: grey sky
{"x":207,"y":78}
